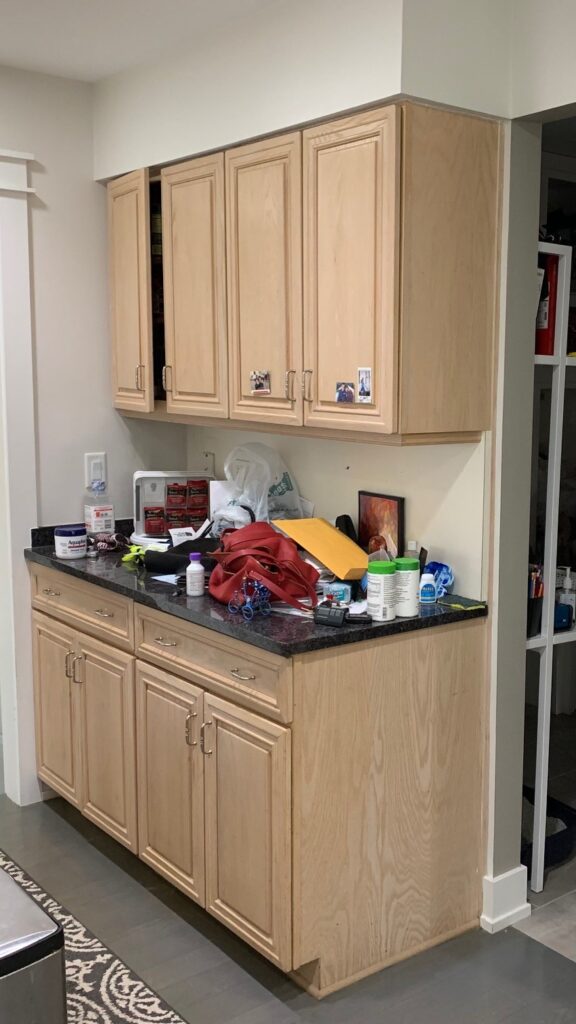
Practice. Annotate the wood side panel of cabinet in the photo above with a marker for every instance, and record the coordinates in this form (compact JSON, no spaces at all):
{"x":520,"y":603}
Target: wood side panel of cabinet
{"x":171,"y":778}
{"x":248,"y":827}
{"x":396,"y":729}
{"x":130,"y":291}
{"x":105,"y":680}
{"x":351,"y":199}
{"x":264,"y":269}
{"x":451,"y":184}
{"x":193,"y":237}
{"x":56,"y":700}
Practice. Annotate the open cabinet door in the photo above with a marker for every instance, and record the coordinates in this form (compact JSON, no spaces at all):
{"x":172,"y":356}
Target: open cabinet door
{"x":130,"y":291}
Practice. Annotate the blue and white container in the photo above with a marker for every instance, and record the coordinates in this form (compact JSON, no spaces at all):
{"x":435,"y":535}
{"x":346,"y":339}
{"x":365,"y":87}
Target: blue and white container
{"x":70,"y":541}
{"x":427,"y":589}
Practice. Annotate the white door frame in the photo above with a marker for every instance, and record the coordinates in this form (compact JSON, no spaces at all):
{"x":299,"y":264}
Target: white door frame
{"x":18,"y":487}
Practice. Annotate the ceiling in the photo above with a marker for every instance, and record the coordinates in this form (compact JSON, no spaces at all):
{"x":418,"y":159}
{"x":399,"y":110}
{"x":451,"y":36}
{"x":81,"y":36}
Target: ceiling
{"x":89,"y":39}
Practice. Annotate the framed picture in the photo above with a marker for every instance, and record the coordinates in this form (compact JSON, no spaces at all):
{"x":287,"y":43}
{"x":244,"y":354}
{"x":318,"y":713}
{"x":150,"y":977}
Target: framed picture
{"x":260,"y":382}
{"x":381,"y":522}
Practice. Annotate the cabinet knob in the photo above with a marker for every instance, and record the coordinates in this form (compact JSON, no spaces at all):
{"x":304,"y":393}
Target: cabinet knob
{"x":75,"y":660}
{"x":306,"y":376}
{"x":238,"y":675}
{"x":164,"y":643}
{"x":289,"y":385}
{"x":203,"y":728}
{"x":103,"y":613}
{"x":51,"y":593}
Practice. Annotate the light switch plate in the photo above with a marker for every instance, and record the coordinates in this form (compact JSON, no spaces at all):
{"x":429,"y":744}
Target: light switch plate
{"x":95,"y":467}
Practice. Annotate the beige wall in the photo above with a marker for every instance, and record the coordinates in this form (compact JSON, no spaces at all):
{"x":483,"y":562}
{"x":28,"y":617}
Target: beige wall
{"x":443,"y":487}
{"x":290,"y":62}
{"x":51,"y":118}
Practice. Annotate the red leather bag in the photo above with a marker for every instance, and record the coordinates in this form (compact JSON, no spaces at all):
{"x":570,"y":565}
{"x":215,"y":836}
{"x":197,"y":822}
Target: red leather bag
{"x":258,"y":552}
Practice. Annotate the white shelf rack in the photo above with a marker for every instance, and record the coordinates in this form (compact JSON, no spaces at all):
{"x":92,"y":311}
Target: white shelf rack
{"x":544,"y":643}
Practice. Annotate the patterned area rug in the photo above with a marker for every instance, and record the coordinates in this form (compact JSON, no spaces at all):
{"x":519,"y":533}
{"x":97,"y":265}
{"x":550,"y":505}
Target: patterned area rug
{"x":100,"y":988}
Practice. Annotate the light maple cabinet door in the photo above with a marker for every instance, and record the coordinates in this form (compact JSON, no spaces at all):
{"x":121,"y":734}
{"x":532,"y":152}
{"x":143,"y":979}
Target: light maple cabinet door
{"x":170,"y":778}
{"x":56,"y":701}
{"x":248,"y":833}
{"x":193,"y":232}
{"x":130,"y":291}
{"x":351,"y":170}
{"x":104,"y":679}
{"x":264,"y":269}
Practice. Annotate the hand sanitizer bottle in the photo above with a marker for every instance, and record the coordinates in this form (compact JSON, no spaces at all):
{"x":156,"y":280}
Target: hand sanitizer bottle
{"x":98,"y":507}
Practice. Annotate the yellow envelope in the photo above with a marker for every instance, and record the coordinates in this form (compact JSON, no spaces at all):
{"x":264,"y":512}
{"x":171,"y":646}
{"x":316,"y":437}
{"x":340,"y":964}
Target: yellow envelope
{"x":330,"y":546}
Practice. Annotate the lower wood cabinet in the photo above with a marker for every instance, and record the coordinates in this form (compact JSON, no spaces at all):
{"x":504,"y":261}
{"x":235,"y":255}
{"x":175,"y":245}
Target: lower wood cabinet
{"x":170,"y":778}
{"x":248,"y":826}
{"x":85,"y":740}
{"x":214,"y":807}
{"x":57,"y":708}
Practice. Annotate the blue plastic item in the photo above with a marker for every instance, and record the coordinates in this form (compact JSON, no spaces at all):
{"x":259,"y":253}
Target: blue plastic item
{"x":443,"y":577}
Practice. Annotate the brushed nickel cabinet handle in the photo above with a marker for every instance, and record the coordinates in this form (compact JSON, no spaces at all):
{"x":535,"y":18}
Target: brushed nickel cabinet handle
{"x":306,"y":376}
{"x":167,"y":386}
{"x":67,"y":671}
{"x":51,"y":593}
{"x":203,"y":728}
{"x":289,"y":385}
{"x":139,"y":384}
{"x":79,"y":657}
{"x":103,"y":613}
{"x":164,"y":643}
{"x":238,"y":675}
{"x":189,"y":718}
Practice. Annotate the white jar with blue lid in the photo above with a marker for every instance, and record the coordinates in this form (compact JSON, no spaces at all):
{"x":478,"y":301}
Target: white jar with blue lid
{"x":427,"y":588}
{"x":70,"y":541}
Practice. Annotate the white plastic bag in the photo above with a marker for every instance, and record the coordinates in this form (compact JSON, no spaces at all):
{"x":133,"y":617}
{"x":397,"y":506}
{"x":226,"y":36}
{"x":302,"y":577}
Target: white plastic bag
{"x":262,"y":482}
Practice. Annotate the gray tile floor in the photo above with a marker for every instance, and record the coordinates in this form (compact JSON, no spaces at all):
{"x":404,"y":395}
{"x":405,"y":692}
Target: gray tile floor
{"x":210,"y":977}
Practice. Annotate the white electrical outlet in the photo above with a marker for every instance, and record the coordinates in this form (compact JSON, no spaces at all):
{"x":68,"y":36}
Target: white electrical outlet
{"x":95,"y":467}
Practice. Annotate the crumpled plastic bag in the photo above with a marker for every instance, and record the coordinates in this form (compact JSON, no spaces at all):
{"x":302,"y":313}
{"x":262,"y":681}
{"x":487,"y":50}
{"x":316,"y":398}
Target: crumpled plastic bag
{"x":443,"y":576}
{"x":262,"y":482}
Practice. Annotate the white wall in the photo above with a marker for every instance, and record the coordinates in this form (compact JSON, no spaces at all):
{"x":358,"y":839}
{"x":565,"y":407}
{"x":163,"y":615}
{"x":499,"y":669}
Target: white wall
{"x":458,"y":53}
{"x":543,"y":56}
{"x":443,"y":487}
{"x":51,"y":118}
{"x":292,"y":62}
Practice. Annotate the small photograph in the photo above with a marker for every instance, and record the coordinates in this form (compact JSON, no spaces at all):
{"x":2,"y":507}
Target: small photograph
{"x":260,"y":382}
{"x":345,"y":392}
{"x":364,"y":384}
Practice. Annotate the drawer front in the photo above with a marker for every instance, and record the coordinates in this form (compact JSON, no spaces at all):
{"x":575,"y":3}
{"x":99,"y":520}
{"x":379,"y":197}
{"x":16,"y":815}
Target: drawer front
{"x":245,"y":674}
{"x":93,"y":609}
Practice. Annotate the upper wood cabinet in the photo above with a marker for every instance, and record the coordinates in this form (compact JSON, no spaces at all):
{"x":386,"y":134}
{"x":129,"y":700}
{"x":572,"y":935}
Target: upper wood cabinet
{"x":193,"y":249}
{"x":264,"y":267}
{"x":350,"y":271}
{"x":130,"y":292}
{"x":361,"y":264}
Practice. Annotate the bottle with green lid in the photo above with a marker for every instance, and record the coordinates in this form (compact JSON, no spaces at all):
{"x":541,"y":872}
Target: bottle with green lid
{"x":381,"y":591}
{"x":407,"y":584}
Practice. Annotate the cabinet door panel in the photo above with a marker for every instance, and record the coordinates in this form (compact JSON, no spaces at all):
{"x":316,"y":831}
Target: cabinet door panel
{"x":56,"y":709}
{"x":106,"y":685}
{"x":264,"y":266}
{"x":130,"y":291}
{"x":195,"y":287}
{"x":350,"y":275}
{"x":248,"y":836}
{"x":170,"y":778}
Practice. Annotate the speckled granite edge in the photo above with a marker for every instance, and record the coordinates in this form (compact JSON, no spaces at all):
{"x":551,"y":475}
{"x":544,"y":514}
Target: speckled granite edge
{"x":285,"y":635}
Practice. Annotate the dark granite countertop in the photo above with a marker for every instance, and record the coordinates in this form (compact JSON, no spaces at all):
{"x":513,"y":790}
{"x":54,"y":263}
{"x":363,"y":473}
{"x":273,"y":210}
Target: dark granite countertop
{"x":281,"y":634}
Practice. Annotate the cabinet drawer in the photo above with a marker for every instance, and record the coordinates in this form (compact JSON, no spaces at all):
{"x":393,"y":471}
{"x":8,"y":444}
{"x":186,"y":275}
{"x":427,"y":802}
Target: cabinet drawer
{"x":93,"y":609}
{"x":245,"y":674}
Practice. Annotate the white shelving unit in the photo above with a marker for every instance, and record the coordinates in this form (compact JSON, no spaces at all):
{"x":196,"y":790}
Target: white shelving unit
{"x":544,"y":643}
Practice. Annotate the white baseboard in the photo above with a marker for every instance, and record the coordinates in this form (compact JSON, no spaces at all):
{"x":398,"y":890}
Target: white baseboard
{"x":505,"y":900}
